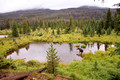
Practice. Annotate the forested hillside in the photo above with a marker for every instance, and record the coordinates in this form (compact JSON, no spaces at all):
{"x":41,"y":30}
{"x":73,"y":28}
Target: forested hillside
{"x":87,"y":12}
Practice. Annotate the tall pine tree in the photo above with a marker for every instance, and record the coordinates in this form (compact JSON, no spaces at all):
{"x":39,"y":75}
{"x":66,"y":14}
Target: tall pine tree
{"x":14,"y":29}
{"x":117,"y":21}
{"x":108,"y":20}
{"x":25,"y":27}
{"x":68,"y":29}
{"x":52,"y":60}
{"x":7,"y":24}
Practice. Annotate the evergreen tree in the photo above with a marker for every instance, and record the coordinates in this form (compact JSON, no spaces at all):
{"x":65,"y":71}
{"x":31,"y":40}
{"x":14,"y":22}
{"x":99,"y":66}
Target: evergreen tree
{"x":41,"y":23}
{"x":92,"y":31}
{"x":108,"y":20}
{"x":25,"y":27}
{"x":33,"y":28}
{"x":53,"y":32}
{"x":28,"y":30}
{"x":99,"y":30}
{"x":28,"y":22}
{"x":1,"y":28}
{"x":102,"y":23}
{"x":82,"y":23}
{"x":20,"y":29}
{"x":103,"y":31}
{"x":109,"y":31}
{"x":58,"y":31}
{"x":85,"y":32}
{"x":36,"y":23}
{"x":28,"y":27}
{"x":43,"y":26}
{"x":68,"y":29}
{"x":78,"y":23}
{"x":7,"y":24}
{"x":117,"y":22}
{"x":14,"y":29}
{"x":117,"y":51}
{"x":52,"y":60}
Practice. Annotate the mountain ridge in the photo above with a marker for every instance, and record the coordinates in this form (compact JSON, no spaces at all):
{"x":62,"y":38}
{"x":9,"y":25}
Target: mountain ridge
{"x":87,"y":12}
{"x":84,"y":6}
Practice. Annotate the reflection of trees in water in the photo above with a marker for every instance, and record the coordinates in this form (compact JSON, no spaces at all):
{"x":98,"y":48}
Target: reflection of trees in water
{"x":17,"y":52}
{"x":98,"y":45}
{"x":106,"y":46}
{"x":70,"y":46}
{"x":90,"y":45}
{"x":27,"y":47}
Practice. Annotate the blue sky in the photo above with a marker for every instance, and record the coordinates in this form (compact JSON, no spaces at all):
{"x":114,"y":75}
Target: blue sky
{"x":14,"y":5}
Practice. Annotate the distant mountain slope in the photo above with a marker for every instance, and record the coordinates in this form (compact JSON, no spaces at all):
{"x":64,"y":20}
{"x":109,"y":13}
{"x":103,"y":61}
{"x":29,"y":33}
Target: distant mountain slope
{"x":84,"y":11}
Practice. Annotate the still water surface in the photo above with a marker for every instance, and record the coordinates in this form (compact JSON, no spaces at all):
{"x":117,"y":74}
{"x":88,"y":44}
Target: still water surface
{"x":3,"y":36}
{"x":66,"y":52}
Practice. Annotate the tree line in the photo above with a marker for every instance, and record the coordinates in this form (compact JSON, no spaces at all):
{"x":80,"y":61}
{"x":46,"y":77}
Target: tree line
{"x":87,"y":27}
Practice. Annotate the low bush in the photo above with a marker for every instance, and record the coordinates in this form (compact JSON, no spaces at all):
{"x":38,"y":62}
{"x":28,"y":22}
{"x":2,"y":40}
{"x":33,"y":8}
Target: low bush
{"x":33,"y":63}
{"x":77,"y":45}
{"x":7,"y":63}
{"x":83,"y":46}
{"x":40,"y":34}
{"x":20,"y":62}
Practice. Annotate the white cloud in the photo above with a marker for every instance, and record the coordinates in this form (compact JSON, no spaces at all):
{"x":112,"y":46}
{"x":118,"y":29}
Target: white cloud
{"x":13,"y":5}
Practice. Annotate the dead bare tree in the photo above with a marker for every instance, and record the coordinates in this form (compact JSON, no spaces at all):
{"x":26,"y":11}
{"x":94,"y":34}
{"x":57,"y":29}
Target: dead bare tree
{"x":117,"y":4}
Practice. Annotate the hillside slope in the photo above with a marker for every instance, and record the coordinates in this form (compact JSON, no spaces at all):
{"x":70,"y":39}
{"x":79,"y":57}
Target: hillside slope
{"x":84,"y":11}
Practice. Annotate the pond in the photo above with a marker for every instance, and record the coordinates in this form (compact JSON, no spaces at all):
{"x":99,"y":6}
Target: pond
{"x":3,"y":36}
{"x":66,"y":52}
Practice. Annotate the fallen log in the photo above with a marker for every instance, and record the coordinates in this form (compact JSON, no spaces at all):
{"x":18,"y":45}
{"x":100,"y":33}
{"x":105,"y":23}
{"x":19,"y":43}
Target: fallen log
{"x":21,"y":76}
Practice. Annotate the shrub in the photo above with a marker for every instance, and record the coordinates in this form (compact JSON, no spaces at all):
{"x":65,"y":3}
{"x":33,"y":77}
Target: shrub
{"x":88,"y":56}
{"x":7,"y":63}
{"x":58,"y":31}
{"x":118,"y":64}
{"x":73,"y":76}
{"x":2,"y":43}
{"x":95,"y":65}
{"x":62,"y":65}
{"x":111,"y":51}
{"x":77,"y":45}
{"x":40,"y":34}
{"x":83,"y":46}
{"x":20,"y":62}
{"x":117,"y":51}
{"x":99,"y":53}
{"x":33,"y":63}
{"x":53,"y":33}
